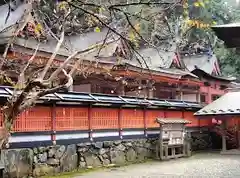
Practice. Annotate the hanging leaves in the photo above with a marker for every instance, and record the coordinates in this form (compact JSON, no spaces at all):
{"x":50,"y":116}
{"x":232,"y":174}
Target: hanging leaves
{"x":97,"y":29}
{"x":38,"y":29}
{"x":196,"y":4}
{"x":197,"y":24}
{"x":137,"y":27}
{"x":132,"y":36}
{"x":101,"y":10}
{"x":6,"y":80}
{"x":62,"y":5}
{"x":214,"y":23}
{"x":199,"y":4}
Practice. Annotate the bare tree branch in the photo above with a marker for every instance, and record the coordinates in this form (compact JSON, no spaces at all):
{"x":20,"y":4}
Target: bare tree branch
{"x":59,"y":69}
{"x":21,"y":78}
{"x":52,"y":56}
{"x":150,"y":3}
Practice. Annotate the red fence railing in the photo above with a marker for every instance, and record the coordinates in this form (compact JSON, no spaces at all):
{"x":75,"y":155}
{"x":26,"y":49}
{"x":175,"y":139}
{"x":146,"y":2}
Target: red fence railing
{"x":104,"y":118}
{"x":151,"y":116}
{"x":42,"y":118}
{"x":132,"y":118}
{"x":70,"y":118}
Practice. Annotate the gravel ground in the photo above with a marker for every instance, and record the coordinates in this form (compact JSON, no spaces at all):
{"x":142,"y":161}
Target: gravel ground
{"x":208,"y":165}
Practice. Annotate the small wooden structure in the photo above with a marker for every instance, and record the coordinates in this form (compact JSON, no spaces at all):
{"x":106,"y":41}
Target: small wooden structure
{"x":225,"y":109}
{"x":174,"y":141}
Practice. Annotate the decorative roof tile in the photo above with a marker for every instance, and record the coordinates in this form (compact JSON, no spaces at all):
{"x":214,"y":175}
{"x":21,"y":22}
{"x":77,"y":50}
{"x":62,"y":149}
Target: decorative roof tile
{"x":172,"y":121}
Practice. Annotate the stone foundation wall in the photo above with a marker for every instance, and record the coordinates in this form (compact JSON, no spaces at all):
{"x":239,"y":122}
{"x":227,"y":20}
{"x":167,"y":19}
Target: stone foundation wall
{"x":55,"y":159}
{"x":23,"y":163}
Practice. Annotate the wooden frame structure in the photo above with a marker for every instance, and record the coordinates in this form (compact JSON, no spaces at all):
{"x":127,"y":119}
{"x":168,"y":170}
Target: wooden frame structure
{"x":173,"y":139}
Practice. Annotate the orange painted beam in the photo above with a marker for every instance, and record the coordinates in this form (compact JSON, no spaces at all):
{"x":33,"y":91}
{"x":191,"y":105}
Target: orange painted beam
{"x":156,"y":77}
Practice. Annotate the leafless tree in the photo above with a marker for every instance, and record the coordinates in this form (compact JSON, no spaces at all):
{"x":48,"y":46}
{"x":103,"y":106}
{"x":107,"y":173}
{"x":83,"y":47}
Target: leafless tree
{"x":135,"y":22}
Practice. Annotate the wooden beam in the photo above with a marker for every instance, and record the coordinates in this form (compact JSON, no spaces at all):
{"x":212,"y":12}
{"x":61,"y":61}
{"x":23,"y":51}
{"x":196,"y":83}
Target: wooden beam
{"x":158,"y":77}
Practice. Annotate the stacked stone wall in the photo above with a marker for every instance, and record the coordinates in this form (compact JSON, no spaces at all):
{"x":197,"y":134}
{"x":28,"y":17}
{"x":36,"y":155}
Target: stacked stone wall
{"x":36,"y":162}
{"x":51,"y":160}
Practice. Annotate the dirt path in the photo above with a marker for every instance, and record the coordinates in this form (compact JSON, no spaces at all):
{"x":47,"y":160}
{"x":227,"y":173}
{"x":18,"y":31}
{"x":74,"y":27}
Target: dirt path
{"x":208,"y":165}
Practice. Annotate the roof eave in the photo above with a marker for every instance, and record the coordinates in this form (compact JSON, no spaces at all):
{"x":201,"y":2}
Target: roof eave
{"x":217,"y":77}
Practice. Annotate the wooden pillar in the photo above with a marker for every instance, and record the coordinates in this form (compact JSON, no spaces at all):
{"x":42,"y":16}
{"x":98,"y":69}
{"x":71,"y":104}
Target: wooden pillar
{"x":188,"y":145}
{"x":145,"y":121}
{"x":150,"y":93}
{"x":180,"y":93}
{"x":198,"y":98}
{"x":224,"y":126}
{"x":173,"y":94}
{"x":238,"y":134}
{"x":238,"y":138}
{"x":70,"y":88}
{"x":150,"y":88}
{"x":173,"y":152}
{"x":121,"y":89}
{"x":53,"y":124}
{"x":90,"y":122}
{"x":93,"y":88}
{"x":120,"y":122}
{"x":161,"y":149}
{"x":164,"y":114}
{"x":209,"y":96}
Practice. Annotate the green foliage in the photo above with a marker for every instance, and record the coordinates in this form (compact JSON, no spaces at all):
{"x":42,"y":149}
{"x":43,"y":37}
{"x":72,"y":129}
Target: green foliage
{"x":229,"y":61}
{"x":215,"y":12}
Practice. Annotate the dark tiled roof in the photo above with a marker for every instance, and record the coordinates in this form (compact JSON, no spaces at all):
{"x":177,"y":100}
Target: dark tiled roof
{"x":198,"y":72}
{"x":74,"y":97}
{"x":229,"y":33}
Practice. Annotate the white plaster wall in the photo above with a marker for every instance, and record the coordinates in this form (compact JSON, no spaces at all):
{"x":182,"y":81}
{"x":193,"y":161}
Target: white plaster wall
{"x":188,"y":97}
